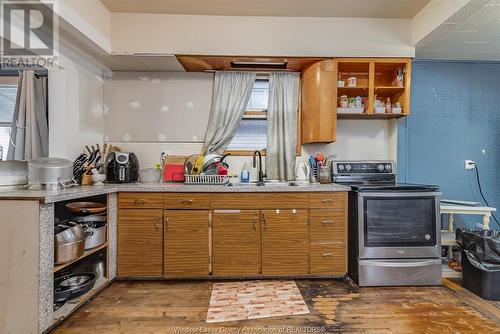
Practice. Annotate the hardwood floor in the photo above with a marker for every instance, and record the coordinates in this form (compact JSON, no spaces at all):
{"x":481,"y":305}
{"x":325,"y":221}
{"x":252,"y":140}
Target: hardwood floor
{"x":335,"y":307}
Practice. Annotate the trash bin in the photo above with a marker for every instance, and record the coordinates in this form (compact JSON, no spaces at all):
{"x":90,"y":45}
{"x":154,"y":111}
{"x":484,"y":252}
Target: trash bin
{"x":480,"y":262}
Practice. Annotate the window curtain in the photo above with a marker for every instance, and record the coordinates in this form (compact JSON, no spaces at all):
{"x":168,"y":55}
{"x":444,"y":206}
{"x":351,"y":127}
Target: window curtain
{"x":230,"y":98}
{"x":282,"y":126}
{"x":29,"y":134}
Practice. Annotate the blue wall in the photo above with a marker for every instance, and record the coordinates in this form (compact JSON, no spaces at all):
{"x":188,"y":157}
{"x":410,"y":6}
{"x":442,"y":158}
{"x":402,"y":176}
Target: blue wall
{"x":454,"y":115}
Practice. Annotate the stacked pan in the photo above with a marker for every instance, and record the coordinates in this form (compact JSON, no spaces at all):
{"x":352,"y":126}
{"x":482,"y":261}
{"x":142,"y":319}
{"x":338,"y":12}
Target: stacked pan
{"x":92,"y":217}
{"x":85,"y":231}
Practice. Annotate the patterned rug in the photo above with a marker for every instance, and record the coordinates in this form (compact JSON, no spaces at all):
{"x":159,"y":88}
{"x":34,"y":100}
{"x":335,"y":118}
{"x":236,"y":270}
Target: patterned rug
{"x":233,"y":301}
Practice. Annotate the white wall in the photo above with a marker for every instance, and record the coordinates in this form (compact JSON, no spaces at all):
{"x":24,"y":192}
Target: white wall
{"x":268,"y":36}
{"x":356,"y":140}
{"x":75,"y":105}
{"x":90,"y":17}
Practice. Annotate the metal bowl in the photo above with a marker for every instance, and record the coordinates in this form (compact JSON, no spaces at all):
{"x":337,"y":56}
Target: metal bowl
{"x":74,"y":232}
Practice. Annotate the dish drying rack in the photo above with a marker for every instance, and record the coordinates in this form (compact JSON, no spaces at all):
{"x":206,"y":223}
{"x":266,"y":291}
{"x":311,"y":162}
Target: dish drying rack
{"x":205,"y":179}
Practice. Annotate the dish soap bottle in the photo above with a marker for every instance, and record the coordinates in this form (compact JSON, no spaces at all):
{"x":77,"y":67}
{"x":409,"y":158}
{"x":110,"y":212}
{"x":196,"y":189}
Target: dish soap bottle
{"x":245,"y":174}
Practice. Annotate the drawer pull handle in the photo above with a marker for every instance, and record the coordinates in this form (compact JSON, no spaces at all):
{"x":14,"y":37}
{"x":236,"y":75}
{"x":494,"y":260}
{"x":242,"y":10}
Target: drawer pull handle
{"x":167,"y":221}
{"x":264,"y":221}
{"x":326,"y":222}
{"x":140,"y":201}
{"x":327,"y":254}
{"x":326,"y":200}
{"x":187,"y":201}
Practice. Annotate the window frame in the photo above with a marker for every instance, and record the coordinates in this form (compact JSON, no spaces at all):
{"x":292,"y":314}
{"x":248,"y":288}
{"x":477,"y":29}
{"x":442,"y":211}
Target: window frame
{"x":262,"y":114}
{"x":8,"y":78}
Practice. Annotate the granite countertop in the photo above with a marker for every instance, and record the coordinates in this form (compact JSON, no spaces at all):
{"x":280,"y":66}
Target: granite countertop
{"x":51,"y":196}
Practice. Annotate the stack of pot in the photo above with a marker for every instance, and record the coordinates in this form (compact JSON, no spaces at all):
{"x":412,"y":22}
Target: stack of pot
{"x":92,"y":218}
{"x":69,"y":242}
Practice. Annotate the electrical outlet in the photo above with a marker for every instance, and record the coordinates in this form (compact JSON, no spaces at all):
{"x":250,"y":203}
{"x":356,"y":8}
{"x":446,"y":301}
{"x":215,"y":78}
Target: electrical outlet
{"x":469,"y":164}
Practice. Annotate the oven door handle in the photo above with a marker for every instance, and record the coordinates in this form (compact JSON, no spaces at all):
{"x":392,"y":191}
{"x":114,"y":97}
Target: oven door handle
{"x":403,"y":264}
{"x":395,"y":193}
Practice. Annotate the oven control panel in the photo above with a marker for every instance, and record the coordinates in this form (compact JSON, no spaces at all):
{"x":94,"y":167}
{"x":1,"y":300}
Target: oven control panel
{"x":364,"y":167}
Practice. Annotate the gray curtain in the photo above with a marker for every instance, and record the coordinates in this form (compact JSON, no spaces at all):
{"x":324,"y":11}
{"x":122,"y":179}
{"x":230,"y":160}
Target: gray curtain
{"x":282,"y":125}
{"x":230,"y":98}
{"x":29,"y":135}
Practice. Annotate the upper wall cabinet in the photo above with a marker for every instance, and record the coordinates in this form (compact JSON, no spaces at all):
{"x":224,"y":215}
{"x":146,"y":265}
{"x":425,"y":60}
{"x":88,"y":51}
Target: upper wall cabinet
{"x":319,"y":121}
{"x":373,"y":88}
{"x":352,"y":88}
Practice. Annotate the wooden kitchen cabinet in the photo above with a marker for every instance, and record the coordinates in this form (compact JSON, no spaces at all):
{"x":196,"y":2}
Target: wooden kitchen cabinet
{"x":140,"y":242}
{"x":318,"y":117}
{"x":186,"y":251}
{"x":236,"y":242}
{"x":285,"y":242}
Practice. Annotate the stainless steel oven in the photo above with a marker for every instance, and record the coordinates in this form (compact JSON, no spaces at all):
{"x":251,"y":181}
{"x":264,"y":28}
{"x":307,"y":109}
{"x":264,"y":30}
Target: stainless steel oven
{"x":398,"y":224}
{"x":394,"y":228}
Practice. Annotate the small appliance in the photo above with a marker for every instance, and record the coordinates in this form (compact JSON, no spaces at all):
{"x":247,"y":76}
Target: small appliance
{"x":122,"y":167}
{"x":394,"y":228}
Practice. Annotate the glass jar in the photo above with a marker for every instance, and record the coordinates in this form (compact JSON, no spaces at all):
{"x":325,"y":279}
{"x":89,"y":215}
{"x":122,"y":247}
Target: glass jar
{"x":325,"y":175}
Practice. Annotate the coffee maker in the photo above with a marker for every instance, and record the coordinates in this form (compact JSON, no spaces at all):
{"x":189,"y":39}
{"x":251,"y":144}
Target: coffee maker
{"x":122,"y":167}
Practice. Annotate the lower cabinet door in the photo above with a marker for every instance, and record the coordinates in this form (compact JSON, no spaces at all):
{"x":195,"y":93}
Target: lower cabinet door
{"x":185,"y":243}
{"x":285,"y":242}
{"x":140,"y":242}
{"x":236,"y":242}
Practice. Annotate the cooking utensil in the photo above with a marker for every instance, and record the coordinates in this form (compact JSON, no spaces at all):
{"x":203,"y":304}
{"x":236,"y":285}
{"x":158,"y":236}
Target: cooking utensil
{"x":95,"y":234}
{"x":68,"y":252}
{"x":51,"y":173}
{"x":99,"y":266}
{"x":67,"y":233}
{"x":73,"y":285}
{"x":86,"y":207}
{"x":89,"y":218}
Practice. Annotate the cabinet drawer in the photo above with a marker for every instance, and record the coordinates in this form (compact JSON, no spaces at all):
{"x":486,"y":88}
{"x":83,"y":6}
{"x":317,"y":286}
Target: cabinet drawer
{"x":330,"y":200}
{"x":328,"y":259}
{"x":140,"y":200}
{"x":327,"y":225}
{"x":253,"y":201}
{"x":140,"y":215}
{"x":187,"y":201}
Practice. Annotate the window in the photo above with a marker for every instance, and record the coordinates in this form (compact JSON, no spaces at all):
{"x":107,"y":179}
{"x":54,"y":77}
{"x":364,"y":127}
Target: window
{"x":8,"y":94}
{"x":252,"y":133}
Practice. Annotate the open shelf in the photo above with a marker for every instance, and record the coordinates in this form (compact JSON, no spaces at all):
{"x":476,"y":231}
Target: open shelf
{"x":368,"y":116}
{"x":389,"y":90}
{"x":352,"y":91}
{"x":71,"y":305}
{"x":85,"y":254}
{"x":378,"y":80}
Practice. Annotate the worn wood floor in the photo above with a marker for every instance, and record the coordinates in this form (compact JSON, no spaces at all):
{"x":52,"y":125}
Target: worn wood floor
{"x":335,"y":307}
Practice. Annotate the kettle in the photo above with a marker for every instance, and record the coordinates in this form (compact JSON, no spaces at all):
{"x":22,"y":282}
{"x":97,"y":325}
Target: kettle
{"x":302,"y":172}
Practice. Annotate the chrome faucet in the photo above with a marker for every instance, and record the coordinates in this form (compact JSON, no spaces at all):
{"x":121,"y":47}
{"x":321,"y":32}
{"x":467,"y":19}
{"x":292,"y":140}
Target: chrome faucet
{"x":262,"y":175}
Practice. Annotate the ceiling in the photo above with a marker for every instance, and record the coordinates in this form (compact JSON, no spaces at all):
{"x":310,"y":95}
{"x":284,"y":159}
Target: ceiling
{"x":287,"y":8}
{"x":473,"y":33}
